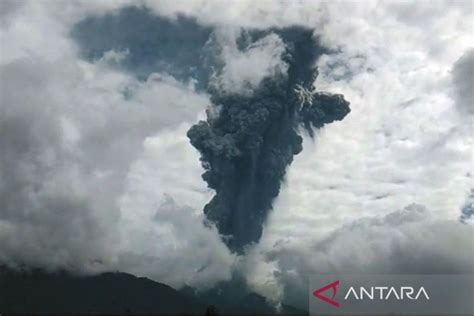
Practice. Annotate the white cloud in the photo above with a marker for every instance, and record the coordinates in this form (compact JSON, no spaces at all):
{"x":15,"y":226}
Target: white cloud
{"x":71,"y":133}
{"x":244,"y":70}
{"x":162,"y":223}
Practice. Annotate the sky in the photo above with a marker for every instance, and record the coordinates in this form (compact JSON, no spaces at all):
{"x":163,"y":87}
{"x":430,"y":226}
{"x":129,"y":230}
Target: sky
{"x":97,"y":174}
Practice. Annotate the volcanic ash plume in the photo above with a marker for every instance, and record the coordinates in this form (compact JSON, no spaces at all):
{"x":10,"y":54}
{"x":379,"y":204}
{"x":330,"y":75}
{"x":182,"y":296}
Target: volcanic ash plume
{"x":246,"y":148}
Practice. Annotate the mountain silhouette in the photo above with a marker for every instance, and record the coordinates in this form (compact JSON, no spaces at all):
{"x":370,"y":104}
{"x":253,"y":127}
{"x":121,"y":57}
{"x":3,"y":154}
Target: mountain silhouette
{"x":34,"y":291}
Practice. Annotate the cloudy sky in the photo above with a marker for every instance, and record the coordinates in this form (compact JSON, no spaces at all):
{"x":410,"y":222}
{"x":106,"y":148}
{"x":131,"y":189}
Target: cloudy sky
{"x":96,"y":171}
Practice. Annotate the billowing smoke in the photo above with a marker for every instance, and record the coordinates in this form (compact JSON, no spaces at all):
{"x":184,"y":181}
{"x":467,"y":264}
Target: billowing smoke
{"x":261,"y":86}
{"x":247,"y":146}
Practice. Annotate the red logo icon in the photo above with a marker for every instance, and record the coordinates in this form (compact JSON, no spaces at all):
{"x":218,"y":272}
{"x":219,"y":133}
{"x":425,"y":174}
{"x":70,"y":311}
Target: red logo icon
{"x":326,"y":299}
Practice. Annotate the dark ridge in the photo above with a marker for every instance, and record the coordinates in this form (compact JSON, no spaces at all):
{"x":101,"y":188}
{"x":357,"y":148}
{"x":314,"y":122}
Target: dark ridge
{"x":35,"y":291}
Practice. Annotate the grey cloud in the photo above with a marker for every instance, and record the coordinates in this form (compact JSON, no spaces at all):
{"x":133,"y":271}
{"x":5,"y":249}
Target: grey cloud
{"x":463,"y":76}
{"x":8,"y":8}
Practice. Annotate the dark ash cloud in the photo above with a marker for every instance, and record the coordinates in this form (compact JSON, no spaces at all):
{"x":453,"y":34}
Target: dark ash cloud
{"x":246,"y":148}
